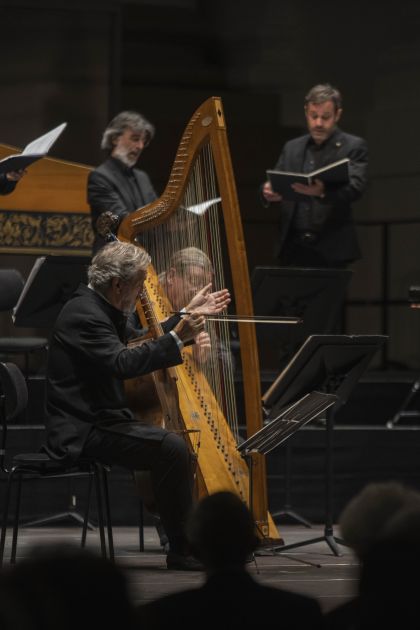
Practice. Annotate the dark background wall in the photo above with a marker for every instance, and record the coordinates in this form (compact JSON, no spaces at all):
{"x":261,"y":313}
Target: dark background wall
{"x":83,"y":62}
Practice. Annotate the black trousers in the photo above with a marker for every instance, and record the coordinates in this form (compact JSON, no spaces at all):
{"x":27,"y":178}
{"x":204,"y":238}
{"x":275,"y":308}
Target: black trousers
{"x":169,"y":462}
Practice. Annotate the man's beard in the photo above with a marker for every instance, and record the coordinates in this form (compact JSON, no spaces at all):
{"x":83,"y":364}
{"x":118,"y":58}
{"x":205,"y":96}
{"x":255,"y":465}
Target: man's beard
{"x":129,"y":308}
{"x":124,"y":157}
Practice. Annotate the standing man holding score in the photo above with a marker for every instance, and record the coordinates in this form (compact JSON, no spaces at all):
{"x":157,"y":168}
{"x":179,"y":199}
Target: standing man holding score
{"x":318,"y":230}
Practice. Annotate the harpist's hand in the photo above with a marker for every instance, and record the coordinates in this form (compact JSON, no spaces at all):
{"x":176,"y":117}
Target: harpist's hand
{"x":189,"y":327}
{"x":208,"y":302}
{"x":202,"y":348}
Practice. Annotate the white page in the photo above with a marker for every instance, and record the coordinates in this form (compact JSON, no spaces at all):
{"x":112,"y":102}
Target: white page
{"x":201,"y":208}
{"x":43,"y":144}
{"x":38,"y":263}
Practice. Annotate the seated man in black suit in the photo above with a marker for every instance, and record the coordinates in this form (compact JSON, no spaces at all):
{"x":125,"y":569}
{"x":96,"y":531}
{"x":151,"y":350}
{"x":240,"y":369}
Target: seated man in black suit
{"x":221,"y":533}
{"x":318,"y":230}
{"x":87,"y":410}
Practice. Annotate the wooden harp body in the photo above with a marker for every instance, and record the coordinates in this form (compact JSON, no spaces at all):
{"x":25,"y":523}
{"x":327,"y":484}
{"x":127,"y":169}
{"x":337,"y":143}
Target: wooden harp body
{"x":198,"y":215}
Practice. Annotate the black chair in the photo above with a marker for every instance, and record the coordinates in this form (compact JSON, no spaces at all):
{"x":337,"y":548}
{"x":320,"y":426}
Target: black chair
{"x":11,"y":285}
{"x":38,"y":466}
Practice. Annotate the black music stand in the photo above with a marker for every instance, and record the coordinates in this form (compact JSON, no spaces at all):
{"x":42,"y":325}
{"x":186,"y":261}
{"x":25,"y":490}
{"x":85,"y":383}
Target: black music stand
{"x":50,"y":284}
{"x":314,"y":295}
{"x":317,"y":297}
{"x":331,"y":364}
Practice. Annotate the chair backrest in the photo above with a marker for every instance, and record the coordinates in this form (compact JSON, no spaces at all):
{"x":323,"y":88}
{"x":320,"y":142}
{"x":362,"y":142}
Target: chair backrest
{"x":14,"y":392}
{"x":11,"y":285}
{"x":13,"y":401}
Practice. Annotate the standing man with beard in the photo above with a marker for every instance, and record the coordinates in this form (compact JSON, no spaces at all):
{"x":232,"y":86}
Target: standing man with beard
{"x":318,"y":230}
{"x":116,"y":186}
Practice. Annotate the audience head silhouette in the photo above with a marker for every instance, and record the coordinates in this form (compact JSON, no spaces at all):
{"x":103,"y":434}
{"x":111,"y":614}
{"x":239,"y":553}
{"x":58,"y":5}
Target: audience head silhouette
{"x":382,"y":526}
{"x":64,"y":587}
{"x":368,"y":517}
{"x":221,"y":531}
{"x":388,"y":594}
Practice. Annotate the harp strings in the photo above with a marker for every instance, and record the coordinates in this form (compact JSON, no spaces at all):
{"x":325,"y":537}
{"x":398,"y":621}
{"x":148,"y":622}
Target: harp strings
{"x":187,"y":254}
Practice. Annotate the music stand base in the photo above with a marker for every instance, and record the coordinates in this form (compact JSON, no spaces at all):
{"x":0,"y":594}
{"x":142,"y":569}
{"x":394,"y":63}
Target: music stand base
{"x":328,"y":537}
{"x":287,"y":511}
{"x":61,"y":516}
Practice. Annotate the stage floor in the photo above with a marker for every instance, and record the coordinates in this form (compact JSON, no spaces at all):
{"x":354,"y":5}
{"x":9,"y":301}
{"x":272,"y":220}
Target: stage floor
{"x":332,"y":582}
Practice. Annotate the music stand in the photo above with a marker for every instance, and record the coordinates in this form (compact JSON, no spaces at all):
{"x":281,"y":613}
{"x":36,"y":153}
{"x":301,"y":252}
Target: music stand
{"x":331,"y":364}
{"x":314,"y":295}
{"x":50,"y":284}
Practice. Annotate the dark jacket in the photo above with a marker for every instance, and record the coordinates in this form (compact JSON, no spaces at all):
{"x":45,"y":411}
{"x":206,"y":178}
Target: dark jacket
{"x":88,"y":362}
{"x":116,"y":188}
{"x":337,"y":240}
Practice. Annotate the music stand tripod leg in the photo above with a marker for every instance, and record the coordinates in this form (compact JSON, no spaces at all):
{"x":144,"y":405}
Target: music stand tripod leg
{"x":328,"y":537}
{"x":402,"y":409}
{"x":248,"y":456}
{"x":71,"y":514}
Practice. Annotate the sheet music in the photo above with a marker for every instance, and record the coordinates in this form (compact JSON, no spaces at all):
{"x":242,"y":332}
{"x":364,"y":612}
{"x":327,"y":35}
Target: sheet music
{"x":288,"y":422}
{"x":44,"y":143}
{"x":34,"y":151}
{"x":37,"y":264}
{"x":201,"y":208}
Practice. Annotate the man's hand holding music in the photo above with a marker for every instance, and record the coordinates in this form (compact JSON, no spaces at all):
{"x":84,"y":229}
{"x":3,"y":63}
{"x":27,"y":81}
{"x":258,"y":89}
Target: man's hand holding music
{"x":206,"y":301}
{"x":269,"y":194}
{"x":317,"y":189}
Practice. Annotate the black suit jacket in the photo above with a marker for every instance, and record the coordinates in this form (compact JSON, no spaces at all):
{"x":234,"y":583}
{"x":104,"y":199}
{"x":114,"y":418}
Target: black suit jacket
{"x":6,"y":187}
{"x":109,"y":189}
{"x":87,"y":364}
{"x":233,"y":600}
{"x":338,"y":239}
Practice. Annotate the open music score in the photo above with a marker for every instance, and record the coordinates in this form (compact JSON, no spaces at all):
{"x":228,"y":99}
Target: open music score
{"x":33,"y":151}
{"x":288,"y":421}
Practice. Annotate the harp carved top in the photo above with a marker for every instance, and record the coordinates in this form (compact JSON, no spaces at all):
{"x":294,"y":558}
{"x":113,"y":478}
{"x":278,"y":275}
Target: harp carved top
{"x":203,"y":124}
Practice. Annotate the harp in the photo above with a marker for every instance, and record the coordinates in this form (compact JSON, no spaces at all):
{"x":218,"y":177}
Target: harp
{"x":198,"y":216}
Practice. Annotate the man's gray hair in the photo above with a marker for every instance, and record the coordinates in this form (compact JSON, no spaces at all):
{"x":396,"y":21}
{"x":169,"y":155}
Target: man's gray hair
{"x":117,"y":260}
{"x":366,"y":517}
{"x":123,"y":121}
{"x":324,"y":92}
{"x":190,"y":257}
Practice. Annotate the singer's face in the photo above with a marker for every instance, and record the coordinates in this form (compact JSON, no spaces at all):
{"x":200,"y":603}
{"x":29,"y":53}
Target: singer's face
{"x":321,"y":119}
{"x":128,"y":146}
